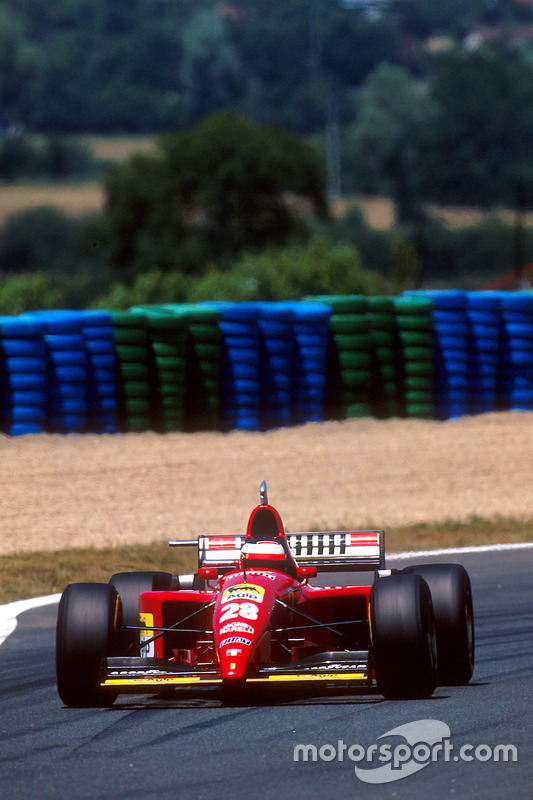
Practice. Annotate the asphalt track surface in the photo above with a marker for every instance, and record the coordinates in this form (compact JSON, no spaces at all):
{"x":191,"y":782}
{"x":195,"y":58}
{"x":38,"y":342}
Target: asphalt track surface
{"x":195,"y":749}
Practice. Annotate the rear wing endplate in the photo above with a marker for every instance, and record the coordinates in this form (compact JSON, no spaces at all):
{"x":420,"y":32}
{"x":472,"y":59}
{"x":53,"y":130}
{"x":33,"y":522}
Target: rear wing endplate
{"x":329,"y":551}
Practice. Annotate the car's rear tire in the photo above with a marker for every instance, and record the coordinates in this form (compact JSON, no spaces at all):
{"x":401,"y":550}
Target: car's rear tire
{"x":87,"y":628}
{"x":129,"y":586}
{"x":403,"y":637}
{"x":451,"y":595}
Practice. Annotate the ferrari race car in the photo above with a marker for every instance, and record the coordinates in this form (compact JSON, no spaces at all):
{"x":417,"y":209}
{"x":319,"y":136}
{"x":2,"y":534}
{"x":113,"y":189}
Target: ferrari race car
{"x":249,"y":618}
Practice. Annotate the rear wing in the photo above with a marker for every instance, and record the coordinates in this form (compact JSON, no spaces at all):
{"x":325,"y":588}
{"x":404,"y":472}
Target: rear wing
{"x":329,"y":551}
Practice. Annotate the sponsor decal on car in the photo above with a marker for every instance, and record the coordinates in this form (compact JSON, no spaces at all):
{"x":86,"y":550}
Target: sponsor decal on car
{"x":268,"y":575}
{"x":235,"y":640}
{"x":237,"y":627}
{"x":243,"y":591}
{"x":147,"y":651}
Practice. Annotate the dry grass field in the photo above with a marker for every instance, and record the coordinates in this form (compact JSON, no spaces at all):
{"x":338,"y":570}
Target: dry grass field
{"x":74,"y":199}
{"x":85,"y":197}
{"x":118,"y":148}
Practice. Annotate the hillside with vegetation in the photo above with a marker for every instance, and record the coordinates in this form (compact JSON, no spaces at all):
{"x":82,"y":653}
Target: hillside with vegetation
{"x":427,"y":104}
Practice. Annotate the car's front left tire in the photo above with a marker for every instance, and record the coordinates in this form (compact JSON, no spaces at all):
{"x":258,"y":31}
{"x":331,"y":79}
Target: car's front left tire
{"x":403,"y":646}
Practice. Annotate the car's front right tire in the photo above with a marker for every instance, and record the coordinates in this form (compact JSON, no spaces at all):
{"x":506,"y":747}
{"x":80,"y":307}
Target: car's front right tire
{"x":88,"y":622}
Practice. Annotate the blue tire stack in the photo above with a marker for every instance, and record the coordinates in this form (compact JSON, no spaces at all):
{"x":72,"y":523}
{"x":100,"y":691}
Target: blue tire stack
{"x":239,"y":379}
{"x":22,"y":376}
{"x":451,"y":343}
{"x":66,"y":370}
{"x":311,"y":335}
{"x":101,"y":391}
{"x":515,"y":373}
{"x":483,"y":315}
{"x":276,"y":352}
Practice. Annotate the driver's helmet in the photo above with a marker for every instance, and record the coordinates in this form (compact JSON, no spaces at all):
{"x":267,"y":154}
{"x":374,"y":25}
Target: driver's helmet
{"x":263,"y":554}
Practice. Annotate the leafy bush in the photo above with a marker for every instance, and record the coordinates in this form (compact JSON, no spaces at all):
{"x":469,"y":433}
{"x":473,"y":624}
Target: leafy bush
{"x":318,"y":267}
{"x":152,"y":287}
{"x":28,"y":293}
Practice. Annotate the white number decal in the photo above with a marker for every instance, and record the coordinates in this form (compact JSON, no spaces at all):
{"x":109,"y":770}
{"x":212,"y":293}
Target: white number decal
{"x":231,"y":610}
{"x":248,"y":611}
{"x":242,"y":609}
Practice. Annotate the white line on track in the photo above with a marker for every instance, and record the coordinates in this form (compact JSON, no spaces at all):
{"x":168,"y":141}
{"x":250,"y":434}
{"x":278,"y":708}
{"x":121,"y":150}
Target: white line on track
{"x":10,"y":612}
{"x":484,"y":548}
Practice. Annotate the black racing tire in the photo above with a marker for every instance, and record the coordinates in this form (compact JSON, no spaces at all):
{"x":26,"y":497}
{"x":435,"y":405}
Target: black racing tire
{"x":451,"y":594}
{"x":88,"y":622}
{"x":403,"y":641}
{"x":129,"y":586}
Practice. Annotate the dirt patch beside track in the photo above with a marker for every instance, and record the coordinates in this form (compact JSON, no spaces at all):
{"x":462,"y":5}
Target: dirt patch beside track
{"x":65,"y":491}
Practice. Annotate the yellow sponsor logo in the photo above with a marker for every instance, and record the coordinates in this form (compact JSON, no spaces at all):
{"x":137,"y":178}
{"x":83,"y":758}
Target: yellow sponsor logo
{"x":147,"y":651}
{"x":148,"y":620}
{"x":243,"y":591}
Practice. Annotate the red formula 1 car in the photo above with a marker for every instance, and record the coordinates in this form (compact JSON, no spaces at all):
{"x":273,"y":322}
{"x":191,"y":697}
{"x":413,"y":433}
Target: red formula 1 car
{"x":250,"y":618}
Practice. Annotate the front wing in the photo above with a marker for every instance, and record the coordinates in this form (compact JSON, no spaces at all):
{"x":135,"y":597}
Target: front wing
{"x":152,"y":675}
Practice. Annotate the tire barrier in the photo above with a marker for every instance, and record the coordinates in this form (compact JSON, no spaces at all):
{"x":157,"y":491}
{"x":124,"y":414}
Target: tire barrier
{"x":240,"y":366}
{"x":276,"y":357}
{"x":66,"y":370}
{"x":415,"y":329}
{"x":130,"y":336}
{"x":101,"y":383}
{"x":167,"y":359}
{"x":484,"y":342}
{"x":257,"y":366}
{"x":22,"y":376}
{"x":311,"y":336}
{"x":349,"y":373}
{"x":202,"y":364}
{"x":515,"y":361}
{"x":450,"y":352}
{"x":386,"y":398}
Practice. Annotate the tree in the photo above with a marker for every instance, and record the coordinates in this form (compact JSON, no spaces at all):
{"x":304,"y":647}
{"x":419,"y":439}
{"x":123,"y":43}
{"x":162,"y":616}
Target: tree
{"x":17,"y":70}
{"x":386,"y":142}
{"x":209,"y":193}
{"x":210,"y":67}
{"x":479,"y":144}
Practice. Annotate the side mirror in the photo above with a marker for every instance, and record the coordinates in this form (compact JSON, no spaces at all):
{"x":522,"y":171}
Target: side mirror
{"x":306,"y":572}
{"x":208,"y":573}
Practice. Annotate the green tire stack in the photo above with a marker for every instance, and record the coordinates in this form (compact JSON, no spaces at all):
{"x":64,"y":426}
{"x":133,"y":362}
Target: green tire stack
{"x":202,"y":374}
{"x":415,"y":324}
{"x":349,"y":370}
{"x":130,"y":335}
{"x":387,"y":376}
{"x":168,"y":358}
